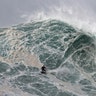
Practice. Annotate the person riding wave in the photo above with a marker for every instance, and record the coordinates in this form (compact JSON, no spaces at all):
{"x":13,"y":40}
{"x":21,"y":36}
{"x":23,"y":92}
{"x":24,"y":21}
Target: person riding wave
{"x":43,"y":69}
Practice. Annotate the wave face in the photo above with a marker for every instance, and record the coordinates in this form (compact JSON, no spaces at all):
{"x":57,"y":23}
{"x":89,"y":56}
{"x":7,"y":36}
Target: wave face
{"x":68,"y":53}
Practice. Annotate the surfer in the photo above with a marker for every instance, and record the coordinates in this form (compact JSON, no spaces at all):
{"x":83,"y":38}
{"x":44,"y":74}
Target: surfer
{"x":43,"y":69}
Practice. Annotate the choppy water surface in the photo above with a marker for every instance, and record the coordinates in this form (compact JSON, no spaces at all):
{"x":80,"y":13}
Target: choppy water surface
{"x":68,"y":53}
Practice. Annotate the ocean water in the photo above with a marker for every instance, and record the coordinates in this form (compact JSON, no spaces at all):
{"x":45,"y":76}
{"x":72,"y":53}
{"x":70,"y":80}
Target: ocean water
{"x":68,"y":53}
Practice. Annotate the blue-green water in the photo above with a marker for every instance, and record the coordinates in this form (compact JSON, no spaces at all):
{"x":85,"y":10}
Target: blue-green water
{"x":68,"y":53}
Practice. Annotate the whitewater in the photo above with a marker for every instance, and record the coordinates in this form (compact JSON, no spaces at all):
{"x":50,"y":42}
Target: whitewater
{"x":68,"y":53}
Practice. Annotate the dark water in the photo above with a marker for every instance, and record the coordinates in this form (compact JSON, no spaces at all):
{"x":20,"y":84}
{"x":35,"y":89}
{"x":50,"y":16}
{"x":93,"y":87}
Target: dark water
{"x":68,"y":53}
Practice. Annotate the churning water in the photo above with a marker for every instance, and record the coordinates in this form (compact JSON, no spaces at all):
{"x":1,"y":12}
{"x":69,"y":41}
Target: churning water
{"x":67,"y":52}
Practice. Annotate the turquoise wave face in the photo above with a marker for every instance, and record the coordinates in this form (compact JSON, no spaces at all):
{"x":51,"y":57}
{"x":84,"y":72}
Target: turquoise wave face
{"x":68,"y":53}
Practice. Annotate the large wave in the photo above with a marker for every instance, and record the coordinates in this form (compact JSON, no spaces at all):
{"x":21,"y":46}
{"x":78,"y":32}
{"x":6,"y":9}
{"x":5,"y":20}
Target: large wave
{"x":67,"y":52}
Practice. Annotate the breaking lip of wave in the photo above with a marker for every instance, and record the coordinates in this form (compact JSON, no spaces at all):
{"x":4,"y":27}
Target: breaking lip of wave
{"x":79,"y":19}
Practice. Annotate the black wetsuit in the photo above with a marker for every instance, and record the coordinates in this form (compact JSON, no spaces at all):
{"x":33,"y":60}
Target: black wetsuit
{"x":43,"y":70}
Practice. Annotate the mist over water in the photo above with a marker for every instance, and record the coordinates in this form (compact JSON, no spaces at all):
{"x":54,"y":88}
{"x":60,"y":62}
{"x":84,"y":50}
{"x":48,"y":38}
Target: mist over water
{"x":80,"y":14}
